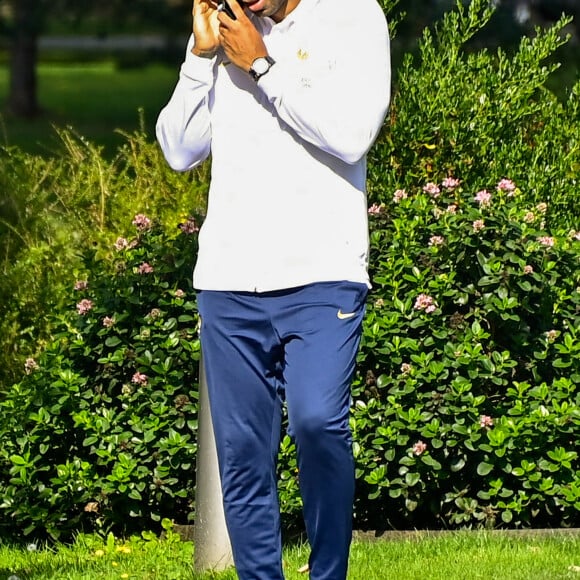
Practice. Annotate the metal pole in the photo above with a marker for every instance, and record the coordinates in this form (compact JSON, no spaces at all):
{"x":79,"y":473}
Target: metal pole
{"x":210,"y":536}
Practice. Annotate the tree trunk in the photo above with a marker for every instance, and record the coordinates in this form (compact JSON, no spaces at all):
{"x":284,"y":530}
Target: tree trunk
{"x":22,"y":96}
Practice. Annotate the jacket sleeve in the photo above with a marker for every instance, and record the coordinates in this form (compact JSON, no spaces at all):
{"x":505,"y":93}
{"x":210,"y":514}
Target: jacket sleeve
{"x":342,"y":110}
{"x":183,"y":128}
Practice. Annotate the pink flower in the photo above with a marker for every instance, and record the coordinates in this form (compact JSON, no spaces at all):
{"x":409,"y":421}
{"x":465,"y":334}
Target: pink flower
{"x":452,"y":209}
{"x":92,"y":506}
{"x":84,"y":306}
{"x":432,"y":189}
{"x":141,"y":222}
{"x":506,"y":185}
{"x":81,"y":285}
{"x":551,"y":335}
{"x":145,"y":268}
{"x":483,"y":197}
{"x":140,"y":378}
{"x":542,"y":207}
{"x":547,"y":241}
{"x":436,"y":240}
{"x":399,"y":195}
{"x":426,"y":303}
{"x":478,"y":225}
{"x":406,"y":368}
{"x":379,"y":303}
{"x":419,"y":448}
{"x":121,"y":244}
{"x":528,"y":269}
{"x":529,"y":217}
{"x":108,"y":321}
{"x":154,"y":313}
{"x":485,"y":421}
{"x":450,"y":183}
{"x":30,"y":366}
{"x":189,"y":227}
{"x":179,"y":293}
{"x":375,"y":209}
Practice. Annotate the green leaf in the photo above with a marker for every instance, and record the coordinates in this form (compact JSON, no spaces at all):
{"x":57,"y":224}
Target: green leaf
{"x":17,"y":460}
{"x":186,"y":318}
{"x":507,"y":516}
{"x":383,"y":380}
{"x":561,"y":364}
{"x":484,"y":468}
{"x":412,"y":478}
{"x":458,"y":465}
{"x":431,"y":462}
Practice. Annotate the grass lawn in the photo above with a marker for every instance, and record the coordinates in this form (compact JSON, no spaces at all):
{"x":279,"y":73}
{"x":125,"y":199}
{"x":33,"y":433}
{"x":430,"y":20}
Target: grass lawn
{"x":94,"y":98}
{"x":454,"y":556}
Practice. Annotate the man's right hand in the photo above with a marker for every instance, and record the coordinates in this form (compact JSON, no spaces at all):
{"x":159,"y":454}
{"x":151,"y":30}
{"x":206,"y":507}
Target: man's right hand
{"x":205,"y":28}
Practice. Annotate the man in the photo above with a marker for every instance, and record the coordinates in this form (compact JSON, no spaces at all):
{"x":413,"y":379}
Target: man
{"x":288,"y":97}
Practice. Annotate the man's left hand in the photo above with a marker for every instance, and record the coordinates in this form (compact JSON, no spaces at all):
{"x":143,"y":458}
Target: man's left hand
{"x":239,"y":38}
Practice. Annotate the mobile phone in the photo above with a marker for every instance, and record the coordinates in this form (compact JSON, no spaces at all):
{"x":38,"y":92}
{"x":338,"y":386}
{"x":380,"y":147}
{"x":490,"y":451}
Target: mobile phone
{"x":227,"y":8}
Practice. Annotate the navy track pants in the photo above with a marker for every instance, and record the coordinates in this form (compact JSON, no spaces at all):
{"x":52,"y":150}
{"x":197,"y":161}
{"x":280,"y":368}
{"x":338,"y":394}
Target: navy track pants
{"x":259,"y":349}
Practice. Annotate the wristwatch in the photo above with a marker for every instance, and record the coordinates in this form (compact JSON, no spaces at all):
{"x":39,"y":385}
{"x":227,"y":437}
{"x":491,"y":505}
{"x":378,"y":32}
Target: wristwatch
{"x":261,"y":66}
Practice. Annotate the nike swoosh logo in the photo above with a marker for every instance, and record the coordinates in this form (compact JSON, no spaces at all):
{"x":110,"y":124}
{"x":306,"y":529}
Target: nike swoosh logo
{"x":344,"y":315}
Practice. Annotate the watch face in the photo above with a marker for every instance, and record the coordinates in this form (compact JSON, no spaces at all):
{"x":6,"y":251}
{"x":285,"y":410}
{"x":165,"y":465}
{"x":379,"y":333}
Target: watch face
{"x":261,"y":65}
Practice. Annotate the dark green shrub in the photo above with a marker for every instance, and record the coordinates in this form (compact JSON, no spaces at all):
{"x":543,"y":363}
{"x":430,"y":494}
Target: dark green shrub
{"x":481,"y":428}
{"x":467,"y":408}
{"x":100,"y":433}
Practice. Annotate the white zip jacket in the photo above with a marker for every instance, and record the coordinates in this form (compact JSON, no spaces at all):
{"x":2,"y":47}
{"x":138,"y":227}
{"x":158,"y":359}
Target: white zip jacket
{"x":287,"y":202}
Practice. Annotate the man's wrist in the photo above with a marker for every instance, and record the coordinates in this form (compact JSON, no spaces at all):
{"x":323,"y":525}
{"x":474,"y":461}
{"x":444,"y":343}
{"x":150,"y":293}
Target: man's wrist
{"x":204,"y":53}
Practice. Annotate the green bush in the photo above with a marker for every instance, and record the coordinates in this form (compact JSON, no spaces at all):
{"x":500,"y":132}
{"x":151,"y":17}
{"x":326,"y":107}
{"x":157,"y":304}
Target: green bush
{"x":100,"y":433}
{"x":53,"y":209}
{"x":467,"y":408}
{"x":482,"y":115}
{"x":468,"y":415}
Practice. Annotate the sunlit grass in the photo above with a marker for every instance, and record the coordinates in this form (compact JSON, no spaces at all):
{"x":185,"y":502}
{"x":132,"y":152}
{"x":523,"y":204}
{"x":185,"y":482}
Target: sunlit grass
{"x":453,"y":556}
{"x":93,"y":98}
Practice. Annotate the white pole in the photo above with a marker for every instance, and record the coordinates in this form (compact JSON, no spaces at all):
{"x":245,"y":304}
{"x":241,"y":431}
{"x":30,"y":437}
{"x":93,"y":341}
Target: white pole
{"x":212,"y":548}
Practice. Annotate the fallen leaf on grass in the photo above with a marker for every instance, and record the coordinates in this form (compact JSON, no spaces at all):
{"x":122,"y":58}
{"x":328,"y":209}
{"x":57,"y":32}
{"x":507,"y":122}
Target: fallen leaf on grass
{"x":304,"y":569}
{"x":574,"y":568}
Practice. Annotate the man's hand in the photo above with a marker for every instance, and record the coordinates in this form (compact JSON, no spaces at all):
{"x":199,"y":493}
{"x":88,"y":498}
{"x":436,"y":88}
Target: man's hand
{"x":239,"y":38}
{"x":205,"y":28}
